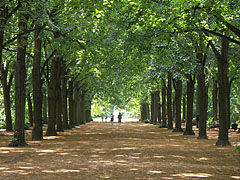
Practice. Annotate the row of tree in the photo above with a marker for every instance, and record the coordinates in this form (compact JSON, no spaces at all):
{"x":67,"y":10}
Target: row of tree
{"x":61,"y":55}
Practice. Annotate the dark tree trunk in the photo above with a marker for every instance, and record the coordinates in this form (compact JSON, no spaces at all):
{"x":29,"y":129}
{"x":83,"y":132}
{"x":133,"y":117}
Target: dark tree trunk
{"x":203,"y":98}
{"x":215,"y":99}
{"x":75,"y":104}
{"x":71,"y":104}
{"x":30,"y":111}
{"x":184,"y":108}
{"x":51,"y":130}
{"x":20,"y":89}
{"x":64,"y":99}
{"x":178,"y":98}
{"x":59,"y":97}
{"x":190,"y":97}
{"x":152,"y":108}
{"x":169,"y":102}
{"x":159,"y":113}
{"x":37,"y":132}
{"x":45,"y":108}
{"x":144,"y":110}
{"x":164,"y":105}
{"x":222,"y":62}
{"x":7,"y":100}
{"x":174,"y":107}
{"x":4,"y":73}
{"x":82,"y":108}
{"x":155,"y":107}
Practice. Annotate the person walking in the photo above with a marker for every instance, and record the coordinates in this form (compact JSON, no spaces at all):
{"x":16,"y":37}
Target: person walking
{"x":112,"y":118}
{"x":119,"y":118}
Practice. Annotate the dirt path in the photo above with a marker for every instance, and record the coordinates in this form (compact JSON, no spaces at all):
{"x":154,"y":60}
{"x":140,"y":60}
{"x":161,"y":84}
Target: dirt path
{"x":124,"y":152}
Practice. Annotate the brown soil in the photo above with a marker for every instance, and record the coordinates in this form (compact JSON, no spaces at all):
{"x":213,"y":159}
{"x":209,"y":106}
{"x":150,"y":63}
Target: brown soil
{"x":128,"y":151}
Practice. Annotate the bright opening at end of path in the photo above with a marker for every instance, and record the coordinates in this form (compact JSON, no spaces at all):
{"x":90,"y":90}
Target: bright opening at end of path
{"x":125,"y":118}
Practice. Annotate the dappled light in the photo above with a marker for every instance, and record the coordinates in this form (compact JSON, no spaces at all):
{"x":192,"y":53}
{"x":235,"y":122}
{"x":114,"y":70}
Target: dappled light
{"x":130,"y":151}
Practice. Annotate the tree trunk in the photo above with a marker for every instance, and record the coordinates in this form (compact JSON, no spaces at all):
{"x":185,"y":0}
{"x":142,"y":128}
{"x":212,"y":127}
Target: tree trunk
{"x":30,"y":111}
{"x":59,"y":97}
{"x":37,"y":132}
{"x":45,"y":108}
{"x":20,"y":90}
{"x":222,"y":62}
{"x":152,"y":108}
{"x":178,"y":94}
{"x":51,"y":131}
{"x":215,"y":99}
{"x":82,"y":108}
{"x":64,"y":99}
{"x":190,"y":97}
{"x":7,"y":99}
{"x":76,"y":104}
{"x":169,"y":102}
{"x":184,"y":108}
{"x":164,"y":105}
{"x":144,"y":110}
{"x":71,"y":104}
{"x":202,"y":93}
{"x":158,"y":103}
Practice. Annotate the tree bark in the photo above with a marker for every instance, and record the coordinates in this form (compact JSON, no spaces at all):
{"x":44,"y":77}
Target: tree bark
{"x":159,"y":113}
{"x":202,"y":93}
{"x":59,"y":96}
{"x":184,"y":108}
{"x":20,"y":76}
{"x":222,"y":61}
{"x":37,"y":132}
{"x":215,"y":99}
{"x":7,"y":100}
{"x":64,"y":99}
{"x":178,"y":94}
{"x":82,"y":108}
{"x":169,"y":102}
{"x":45,"y":108}
{"x":190,"y":97}
{"x":164,"y":105}
{"x":30,"y":111}
{"x":71,"y":104}
{"x":51,"y":130}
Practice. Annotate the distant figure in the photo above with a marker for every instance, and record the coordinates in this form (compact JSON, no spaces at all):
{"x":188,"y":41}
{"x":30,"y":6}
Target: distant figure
{"x":102,"y":116}
{"x":214,"y":123}
{"x":106,"y":116}
{"x":119,"y":117}
{"x":112,"y":118}
{"x":197,"y":120}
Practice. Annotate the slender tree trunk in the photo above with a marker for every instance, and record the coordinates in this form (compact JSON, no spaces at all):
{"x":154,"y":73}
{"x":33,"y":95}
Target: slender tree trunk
{"x":64,"y":99}
{"x":20,"y":90}
{"x":169,"y":102}
{"x":76,"y":104}
{"x":7,"y":99}
{"x":45,"y":108}
{"x":4,"y":73}
{"x":30,"y":111}
{"x":144,"y":109}
{"x":159,"y":113}
{"x":164,"y":105}
{"x":59,"y":97}
{"x":178,"y":93}
{"x":152,"y":108}
{"x":37,"y":132}
{"x":215,"y":99}
{"x":51,"y":130}
{"x":174,"y":107}
{"x":202,"y":90}
{"x":71,"y":104}
{"x":184,"y":108}
{"x":222,"y":62}
{"x":190,"y":97}
{"x":82,"y":108}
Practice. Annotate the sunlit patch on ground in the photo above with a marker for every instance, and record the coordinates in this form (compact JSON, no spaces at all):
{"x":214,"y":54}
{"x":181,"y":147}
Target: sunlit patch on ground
{"x":132,"y":150}
{"x":193,"y":175}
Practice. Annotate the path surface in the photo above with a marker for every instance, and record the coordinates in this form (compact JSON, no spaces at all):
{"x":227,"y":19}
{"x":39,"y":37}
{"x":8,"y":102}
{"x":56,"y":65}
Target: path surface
{"x":129,"y":151}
